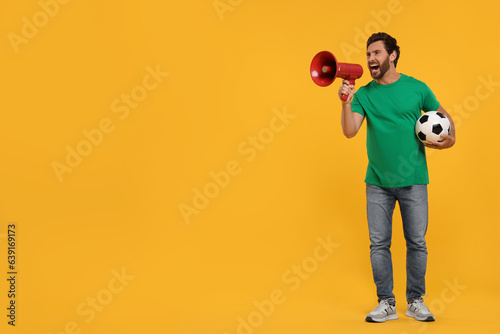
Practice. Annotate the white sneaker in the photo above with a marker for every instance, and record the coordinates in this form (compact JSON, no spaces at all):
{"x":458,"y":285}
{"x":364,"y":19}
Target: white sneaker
{"x":418,"y":310}
{"x":384,"y":311}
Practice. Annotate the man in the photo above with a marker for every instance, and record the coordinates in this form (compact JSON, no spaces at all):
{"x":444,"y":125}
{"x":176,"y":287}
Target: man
{"x":397,"y":170}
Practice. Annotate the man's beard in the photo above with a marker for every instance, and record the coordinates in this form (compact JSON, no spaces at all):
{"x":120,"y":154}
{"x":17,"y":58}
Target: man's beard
{"x":384,"y":67}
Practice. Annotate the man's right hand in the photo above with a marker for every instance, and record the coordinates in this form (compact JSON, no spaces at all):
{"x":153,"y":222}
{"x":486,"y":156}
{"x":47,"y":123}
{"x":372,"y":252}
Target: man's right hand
{"x":346,"y":89}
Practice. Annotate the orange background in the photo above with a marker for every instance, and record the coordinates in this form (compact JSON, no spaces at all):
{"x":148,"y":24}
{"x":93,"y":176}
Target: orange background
{"x":158,"y":99}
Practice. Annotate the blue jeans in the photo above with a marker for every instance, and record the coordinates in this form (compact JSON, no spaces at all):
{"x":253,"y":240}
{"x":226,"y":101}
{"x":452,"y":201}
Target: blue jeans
{"x":414,"y":213}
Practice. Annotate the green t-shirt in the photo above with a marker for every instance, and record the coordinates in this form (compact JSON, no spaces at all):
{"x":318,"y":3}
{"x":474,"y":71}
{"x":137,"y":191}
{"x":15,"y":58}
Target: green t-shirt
{"x":396,"y":158}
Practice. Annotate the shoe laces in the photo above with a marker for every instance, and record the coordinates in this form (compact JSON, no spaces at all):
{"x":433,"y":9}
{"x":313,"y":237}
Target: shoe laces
{"x":382,"y":305}
{"x":419,"y":304}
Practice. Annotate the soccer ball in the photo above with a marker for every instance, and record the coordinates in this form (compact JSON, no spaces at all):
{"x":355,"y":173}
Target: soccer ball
{"x":431,"y":125}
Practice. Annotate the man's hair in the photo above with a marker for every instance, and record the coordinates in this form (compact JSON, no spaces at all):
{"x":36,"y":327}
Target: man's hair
{"x":390,"y":43}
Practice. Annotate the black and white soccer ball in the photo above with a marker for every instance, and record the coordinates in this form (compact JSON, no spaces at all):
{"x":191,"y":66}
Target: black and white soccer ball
{"x":431,"y":125}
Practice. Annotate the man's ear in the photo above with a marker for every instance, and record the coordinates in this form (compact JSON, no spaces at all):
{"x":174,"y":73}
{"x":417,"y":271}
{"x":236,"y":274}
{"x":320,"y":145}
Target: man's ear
{"x":393,"y":55}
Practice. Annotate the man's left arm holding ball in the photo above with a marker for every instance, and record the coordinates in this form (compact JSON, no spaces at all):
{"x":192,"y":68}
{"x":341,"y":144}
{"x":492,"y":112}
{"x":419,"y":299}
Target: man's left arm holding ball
{"x":447,"y":140}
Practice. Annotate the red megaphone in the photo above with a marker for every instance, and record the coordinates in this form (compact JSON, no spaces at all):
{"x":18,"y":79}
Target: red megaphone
{"x":325,"y":69}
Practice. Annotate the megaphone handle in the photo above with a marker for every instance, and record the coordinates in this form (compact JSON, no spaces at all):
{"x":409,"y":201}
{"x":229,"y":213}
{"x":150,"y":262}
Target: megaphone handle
{"x":344,"y":97}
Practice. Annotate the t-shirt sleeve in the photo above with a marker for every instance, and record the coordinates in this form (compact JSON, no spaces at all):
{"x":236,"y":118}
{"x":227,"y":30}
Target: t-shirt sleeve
{"x":356,"y":106}
{"x":430,"y":103}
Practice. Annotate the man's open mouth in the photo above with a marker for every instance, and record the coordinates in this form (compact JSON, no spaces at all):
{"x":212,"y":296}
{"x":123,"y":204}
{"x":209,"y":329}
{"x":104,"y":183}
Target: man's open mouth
{"x":374,"y":67}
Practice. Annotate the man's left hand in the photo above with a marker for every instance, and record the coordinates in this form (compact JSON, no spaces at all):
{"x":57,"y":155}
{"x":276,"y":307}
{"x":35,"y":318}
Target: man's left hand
{"x":446,"y":142}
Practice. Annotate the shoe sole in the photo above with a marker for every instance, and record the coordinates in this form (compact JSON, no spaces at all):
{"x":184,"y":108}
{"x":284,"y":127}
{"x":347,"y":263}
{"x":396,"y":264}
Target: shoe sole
{"x":389,"y":317}
{"x":429,"y":318}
